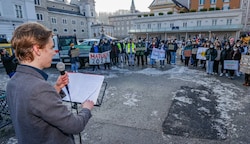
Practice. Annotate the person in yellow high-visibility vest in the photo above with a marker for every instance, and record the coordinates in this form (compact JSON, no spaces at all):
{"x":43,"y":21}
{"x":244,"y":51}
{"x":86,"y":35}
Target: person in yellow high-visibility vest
{"x":131,"y":53}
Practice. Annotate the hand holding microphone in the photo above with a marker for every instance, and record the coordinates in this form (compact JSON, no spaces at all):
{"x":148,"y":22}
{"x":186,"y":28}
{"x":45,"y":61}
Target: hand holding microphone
{"x":62,"y":80}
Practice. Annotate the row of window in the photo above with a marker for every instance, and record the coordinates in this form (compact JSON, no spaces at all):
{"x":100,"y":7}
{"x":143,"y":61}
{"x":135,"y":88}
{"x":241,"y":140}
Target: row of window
{"x":66,"y":30}
{"x":185,"y":24}
{"x":54,"y":20}
{"x":202,"y":2}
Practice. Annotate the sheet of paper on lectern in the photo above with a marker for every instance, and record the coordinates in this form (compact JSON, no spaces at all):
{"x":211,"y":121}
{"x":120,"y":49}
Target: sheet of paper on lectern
{"x":83,"y":87}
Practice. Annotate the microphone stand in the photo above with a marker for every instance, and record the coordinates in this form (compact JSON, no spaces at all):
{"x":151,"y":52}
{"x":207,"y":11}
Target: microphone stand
{"x":75,"y":107}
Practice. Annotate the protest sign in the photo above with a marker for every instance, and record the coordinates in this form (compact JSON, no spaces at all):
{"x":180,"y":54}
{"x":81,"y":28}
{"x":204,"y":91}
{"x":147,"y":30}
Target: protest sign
{"x":231,"y":64}
{"x":99,"y":58}
{"x":245,"y":64}
{"x":158,"y":54}
{"x":75,"y":52}
{"x":201,"y":53}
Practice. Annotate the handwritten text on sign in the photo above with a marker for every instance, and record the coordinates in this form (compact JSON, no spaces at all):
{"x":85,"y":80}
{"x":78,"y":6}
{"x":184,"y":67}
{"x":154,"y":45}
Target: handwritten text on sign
{"x":158,"y":54}
{"x":231,"y":64}
{"x":99,"y":58}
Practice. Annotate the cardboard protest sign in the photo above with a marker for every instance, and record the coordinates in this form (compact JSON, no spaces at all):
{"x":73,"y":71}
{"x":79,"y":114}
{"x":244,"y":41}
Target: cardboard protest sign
{"x":99,"y":58}
{"x":245,"y":64}
{"x":75,"y":52}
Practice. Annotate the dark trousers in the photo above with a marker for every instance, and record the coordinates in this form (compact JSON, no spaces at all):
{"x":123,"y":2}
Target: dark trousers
{"x":138,"y":57}
{"x":187,"y":61}
{"x":168,"y":57}
{"x":195,"y":61}
{"x":247,"y":78}
{"x":107,"y":65}
{"x":146,"y":57}
{"x":216,"y":66}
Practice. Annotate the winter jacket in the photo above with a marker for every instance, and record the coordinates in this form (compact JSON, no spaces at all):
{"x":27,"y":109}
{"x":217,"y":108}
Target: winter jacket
{"x":211,"y":54}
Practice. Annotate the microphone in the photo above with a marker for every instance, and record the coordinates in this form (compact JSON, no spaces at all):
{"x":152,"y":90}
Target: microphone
{"x":61,"y":68}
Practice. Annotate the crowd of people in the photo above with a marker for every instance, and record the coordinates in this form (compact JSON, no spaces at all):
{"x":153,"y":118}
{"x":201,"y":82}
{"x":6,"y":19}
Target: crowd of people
{"x":137,"y":52}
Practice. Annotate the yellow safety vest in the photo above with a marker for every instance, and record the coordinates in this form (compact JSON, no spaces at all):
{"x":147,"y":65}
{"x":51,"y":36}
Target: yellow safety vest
{"x":133,"y":48}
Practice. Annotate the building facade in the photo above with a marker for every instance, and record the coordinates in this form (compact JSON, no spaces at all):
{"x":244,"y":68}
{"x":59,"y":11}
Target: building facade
{"x":13,"y":13}
{"x":63,"y":17}
{"x":183,"y":19}
{"x":181,"y":26}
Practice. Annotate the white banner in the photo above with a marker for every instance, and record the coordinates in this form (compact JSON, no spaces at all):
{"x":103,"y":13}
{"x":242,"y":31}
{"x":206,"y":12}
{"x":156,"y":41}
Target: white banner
{"x":158,"y":54}
{"x":231,"y":64}
{"x":201,"y":53}
{"x":99,"y":58}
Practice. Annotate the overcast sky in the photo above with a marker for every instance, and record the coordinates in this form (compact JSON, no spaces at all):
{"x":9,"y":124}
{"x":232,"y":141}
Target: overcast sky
{"x":114,"y":5}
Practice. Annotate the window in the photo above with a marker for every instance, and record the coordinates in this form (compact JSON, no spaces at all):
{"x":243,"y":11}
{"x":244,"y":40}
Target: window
{"x":55,"y":30}
{"x":37,"y":2}
{"x":65,"y":30}
{"x":149,"y":26}
{"x":226,"y":7}
{"x":82,"y":23}
{"x":185,"y":24}
{"x":39,"y":17}
{"x":138,"y":26}
{"x":199,"y":23}
{"x":64,"y":21}
{"x":53,"y":20}
{"x":159,"y":25}
{"x":92,"y":14}
{"x":229,"y":21}
{"x":19,"y":13}
{"x":73,"y":22}
{"x":74,"y":30}
{"x":212,"y":1}
{"x":171,"y":25}
{"x":82,"y":30}
{"x":214,"y":22}
{"x":201,"y":2}
{"x":226,"y":0}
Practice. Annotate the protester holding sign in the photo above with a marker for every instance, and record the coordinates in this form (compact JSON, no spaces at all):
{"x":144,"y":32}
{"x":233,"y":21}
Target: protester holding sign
{"x":224,"y":56}
{"x":188,"y":52}
{"x":152,"y":45}
{"x":172,"y":47}
{"x":245,"y":68}
{"x":163,"y":48}
{"x":105,"y":47}
{"x":74,"y":57}
{"x":95,"y":49}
